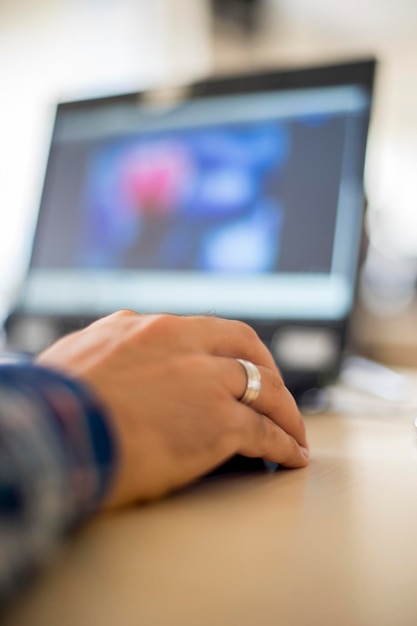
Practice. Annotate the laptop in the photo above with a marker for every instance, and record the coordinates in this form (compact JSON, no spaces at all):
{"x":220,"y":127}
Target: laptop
{"x":237,"y":196}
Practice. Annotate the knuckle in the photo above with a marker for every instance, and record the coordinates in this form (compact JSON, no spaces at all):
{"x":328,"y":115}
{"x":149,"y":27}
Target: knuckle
{"x":266,"y":432}
{"x":159,"y":326}
{"x":278,"y":382}
{"x":123,"y":314}
{"x":258,"y":436}
{"x":246,"y":331}
{"x":167,"y":323}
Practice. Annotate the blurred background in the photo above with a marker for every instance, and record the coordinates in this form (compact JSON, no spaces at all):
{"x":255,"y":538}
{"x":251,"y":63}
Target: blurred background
{"x":64,"y":49}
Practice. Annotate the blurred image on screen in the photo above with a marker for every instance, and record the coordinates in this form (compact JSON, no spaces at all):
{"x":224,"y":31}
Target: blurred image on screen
{"x":186,"y":200}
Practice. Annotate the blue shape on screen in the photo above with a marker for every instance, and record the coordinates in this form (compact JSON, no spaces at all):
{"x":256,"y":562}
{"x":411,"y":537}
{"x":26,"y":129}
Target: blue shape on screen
{"x":247,"y":245}
{"x":195,"y":199}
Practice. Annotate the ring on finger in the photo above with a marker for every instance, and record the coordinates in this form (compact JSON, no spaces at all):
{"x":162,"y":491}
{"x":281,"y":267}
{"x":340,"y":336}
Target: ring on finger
{"x":253,"y":382}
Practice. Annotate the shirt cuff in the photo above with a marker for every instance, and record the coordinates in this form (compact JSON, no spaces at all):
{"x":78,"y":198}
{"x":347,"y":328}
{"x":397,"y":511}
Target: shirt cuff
{"x":68,"y":434}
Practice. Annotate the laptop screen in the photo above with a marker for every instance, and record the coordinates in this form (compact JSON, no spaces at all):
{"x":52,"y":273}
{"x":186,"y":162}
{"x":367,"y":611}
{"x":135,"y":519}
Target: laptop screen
{"x":241,"y":204}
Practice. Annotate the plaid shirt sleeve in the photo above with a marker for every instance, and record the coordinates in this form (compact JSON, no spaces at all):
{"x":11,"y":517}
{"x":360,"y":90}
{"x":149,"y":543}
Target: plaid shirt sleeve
{"x":57,"y":456}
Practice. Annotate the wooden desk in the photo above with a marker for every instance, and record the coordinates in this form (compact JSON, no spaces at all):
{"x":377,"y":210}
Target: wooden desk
{"x":332,"y":545}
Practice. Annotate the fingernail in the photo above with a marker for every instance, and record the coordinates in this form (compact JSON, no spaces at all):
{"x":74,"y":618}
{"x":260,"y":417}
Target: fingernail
{"x":304,"y":452}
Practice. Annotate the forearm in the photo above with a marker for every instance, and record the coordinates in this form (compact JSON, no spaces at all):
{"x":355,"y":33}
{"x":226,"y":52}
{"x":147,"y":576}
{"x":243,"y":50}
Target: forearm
{"x":56,"y":459}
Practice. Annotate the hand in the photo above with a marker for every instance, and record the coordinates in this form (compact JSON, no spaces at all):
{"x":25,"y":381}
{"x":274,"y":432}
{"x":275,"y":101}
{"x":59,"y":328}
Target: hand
{"x":171,"y":386}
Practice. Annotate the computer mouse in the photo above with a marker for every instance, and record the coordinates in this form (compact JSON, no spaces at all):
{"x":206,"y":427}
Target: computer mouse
{"x":240,"y":464}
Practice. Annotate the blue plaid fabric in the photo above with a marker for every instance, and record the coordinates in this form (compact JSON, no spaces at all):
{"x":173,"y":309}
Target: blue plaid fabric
{"x":57,"y":456}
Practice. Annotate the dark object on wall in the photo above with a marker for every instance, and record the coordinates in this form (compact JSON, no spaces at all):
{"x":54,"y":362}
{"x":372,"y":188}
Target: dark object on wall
{"x":244,"y":15}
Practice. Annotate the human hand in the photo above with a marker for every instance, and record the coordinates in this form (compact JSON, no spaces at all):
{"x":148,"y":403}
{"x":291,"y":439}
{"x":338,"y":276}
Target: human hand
{"x":171,"y":385}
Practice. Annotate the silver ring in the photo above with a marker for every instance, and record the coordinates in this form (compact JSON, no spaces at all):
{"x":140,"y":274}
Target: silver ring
{"x":253,"y":384}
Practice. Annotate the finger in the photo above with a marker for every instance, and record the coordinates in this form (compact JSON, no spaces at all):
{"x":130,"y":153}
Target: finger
{"x":261,"y":437}
{"x":230,"y":338}
{"x":274,"y":399}
{"x":276,"y":402}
